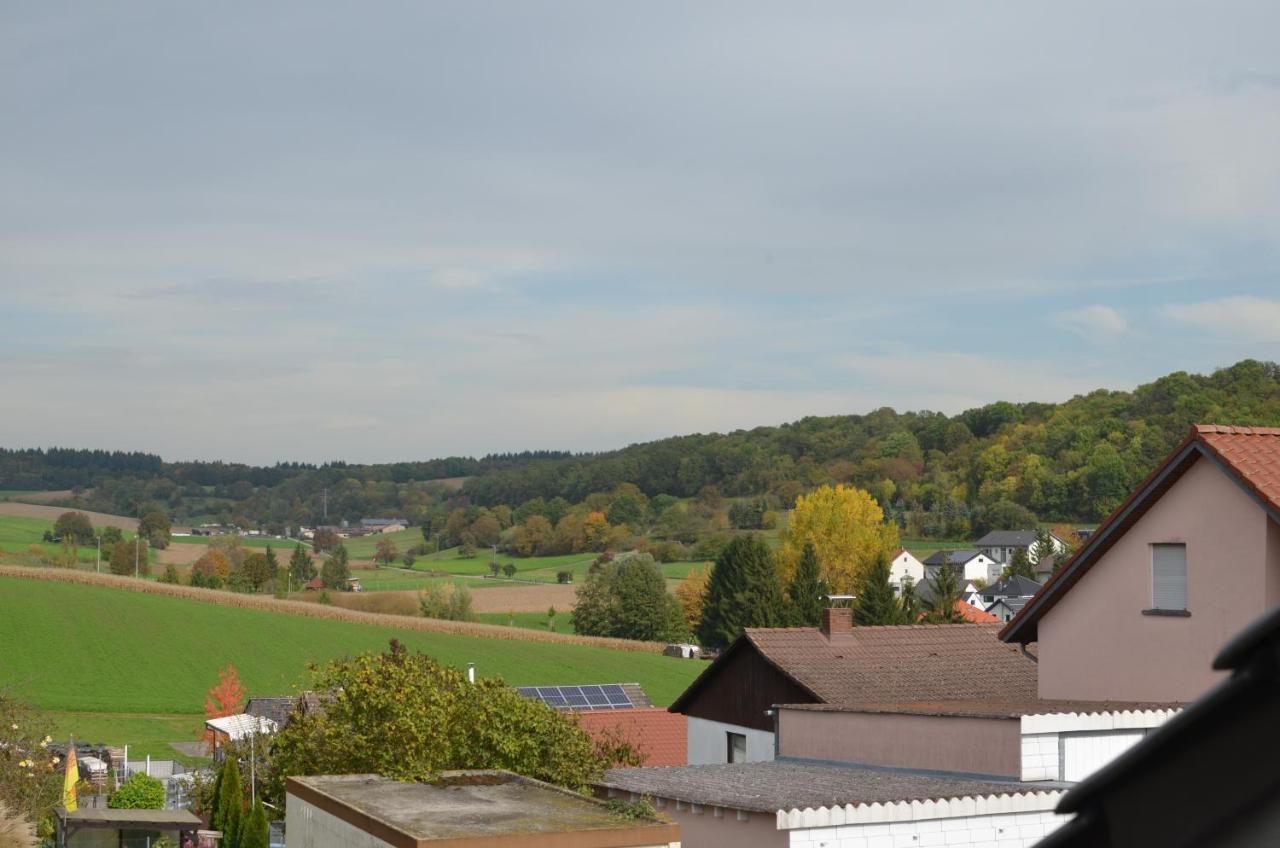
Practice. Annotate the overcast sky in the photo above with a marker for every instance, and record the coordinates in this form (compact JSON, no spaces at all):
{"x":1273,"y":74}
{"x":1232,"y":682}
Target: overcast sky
{"x":380,"y":231}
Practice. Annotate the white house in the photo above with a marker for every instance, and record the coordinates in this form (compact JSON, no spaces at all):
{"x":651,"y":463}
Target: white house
{"x":1001,"y":545}
{"x":904,"y":566}
{"x":969,"y":565}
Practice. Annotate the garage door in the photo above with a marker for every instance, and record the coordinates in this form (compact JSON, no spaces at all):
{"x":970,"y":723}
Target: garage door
{"x":1085,"y":753}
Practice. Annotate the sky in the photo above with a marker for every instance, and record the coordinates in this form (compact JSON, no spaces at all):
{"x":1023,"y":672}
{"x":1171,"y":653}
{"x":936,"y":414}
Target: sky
{"x":313,"y":230}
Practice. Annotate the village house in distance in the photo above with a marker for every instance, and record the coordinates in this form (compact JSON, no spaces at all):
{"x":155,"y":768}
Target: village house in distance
{"x":974,"y":734}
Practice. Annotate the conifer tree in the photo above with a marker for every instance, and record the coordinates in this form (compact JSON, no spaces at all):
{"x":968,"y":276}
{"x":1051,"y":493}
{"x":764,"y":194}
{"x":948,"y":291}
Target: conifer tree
{"x":876,"y":603}
{"x":301,"y":568}
{"x":334,"y":572}
{"x":230,"y":803}
{"x":1043,"y":546}
{"x":909,"y":603}
{"x":945,"y":587}
{"x":253,"y":832}
{"x":807,"y":590}
{"x":1019,"y":564}
{"x":744,"y":591}
{"x":273,"y":564}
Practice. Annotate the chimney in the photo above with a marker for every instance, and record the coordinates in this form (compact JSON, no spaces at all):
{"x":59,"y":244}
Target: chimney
{"x":837,"y":621}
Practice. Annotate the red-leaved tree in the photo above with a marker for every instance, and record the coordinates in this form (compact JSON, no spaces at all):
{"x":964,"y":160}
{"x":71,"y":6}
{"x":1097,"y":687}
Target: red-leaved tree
{"x":224,"y":698}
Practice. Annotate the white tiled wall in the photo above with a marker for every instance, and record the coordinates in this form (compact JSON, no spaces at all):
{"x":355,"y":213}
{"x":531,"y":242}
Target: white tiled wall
{"x":1012,"y":830}
{"x":1040,"y":756}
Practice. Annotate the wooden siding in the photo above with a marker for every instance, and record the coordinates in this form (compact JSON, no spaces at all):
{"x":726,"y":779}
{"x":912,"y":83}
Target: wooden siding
{"x":745,"y":686}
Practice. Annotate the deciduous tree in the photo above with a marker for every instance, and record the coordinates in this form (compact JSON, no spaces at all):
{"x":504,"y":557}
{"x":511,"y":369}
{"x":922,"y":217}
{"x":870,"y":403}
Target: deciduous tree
{"x":126,"y":557}
{"x":847,"y":529}
{"x":628,"y":599}
{"x":74,"y":526}
{"x":385,"y":551}
{"x":691,"y":594}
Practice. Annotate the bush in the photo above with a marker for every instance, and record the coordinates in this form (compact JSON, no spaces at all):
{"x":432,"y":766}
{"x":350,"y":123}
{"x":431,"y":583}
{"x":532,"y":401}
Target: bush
{"x":408,"y":559}
{"x":564,"y":576}
{"x":509,"y":569}
{"x":139,"y":792}
{"x":447,"y":601}
{"x":170,"y":575}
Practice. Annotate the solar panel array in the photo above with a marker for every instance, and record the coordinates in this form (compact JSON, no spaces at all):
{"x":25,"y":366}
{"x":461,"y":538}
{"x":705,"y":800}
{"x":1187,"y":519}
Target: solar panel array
{"x":607,"y":697}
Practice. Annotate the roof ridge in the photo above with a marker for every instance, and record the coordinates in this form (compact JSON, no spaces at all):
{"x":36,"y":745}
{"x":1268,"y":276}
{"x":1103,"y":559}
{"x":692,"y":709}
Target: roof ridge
{"x":1233,"y":430}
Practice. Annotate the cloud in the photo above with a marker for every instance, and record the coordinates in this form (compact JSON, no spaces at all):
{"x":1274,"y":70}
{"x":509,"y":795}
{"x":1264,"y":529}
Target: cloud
{"x":1232,"y":319}
{"x":1097,"y":322}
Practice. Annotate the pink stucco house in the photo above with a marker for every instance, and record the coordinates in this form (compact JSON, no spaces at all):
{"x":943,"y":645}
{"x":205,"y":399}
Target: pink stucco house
{"x":1188,"y":560}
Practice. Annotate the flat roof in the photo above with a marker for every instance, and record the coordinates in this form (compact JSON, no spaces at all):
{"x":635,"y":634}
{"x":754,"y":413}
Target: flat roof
{"x":780,"y":785}
{"x":480,"y":805}
{"x":989,"y":708}
{"x":149,"y":819}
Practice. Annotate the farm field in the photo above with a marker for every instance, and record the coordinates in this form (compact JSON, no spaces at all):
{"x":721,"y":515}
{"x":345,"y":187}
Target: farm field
{"x":18,"y":533}
{"x":544,"y":569}
{"x":487,"y":596}
{"x":49,"y":514}
{"x":136,"y":663}
{"x":529,"y":620}
{"x":362,"y":547}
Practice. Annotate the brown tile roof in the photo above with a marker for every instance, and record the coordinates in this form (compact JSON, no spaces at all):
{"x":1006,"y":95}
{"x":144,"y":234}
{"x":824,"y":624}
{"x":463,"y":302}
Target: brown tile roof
{"x":920,"y":662}
{"x":781,"y":785}
{"x":990,"y":707}
{"x":1249,"y":455}
{"x":657,"y":735}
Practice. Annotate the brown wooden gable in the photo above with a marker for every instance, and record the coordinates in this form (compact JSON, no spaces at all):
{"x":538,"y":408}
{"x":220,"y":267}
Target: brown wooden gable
{"x":739,"y":687}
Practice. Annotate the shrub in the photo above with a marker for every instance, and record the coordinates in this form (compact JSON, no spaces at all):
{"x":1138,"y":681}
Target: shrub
{"x":509,"y":569}
{"x":170,"y":575}
{"x":447,"y":601}
{"x":139,"y":792}
{"x":408,"y":559}
{"x":564,"y":576}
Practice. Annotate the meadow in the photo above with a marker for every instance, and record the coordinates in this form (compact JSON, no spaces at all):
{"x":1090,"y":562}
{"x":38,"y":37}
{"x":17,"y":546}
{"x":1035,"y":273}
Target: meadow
{"x":19,"y":533}
{"x":133,"y":667}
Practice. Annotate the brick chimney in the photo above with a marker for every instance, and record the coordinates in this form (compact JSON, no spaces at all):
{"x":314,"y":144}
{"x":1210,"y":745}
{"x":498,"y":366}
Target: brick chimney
{"x":837,"y":621}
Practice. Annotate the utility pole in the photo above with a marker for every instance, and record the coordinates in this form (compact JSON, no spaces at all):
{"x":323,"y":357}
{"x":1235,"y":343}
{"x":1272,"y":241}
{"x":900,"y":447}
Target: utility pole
{"x":326,"y":505}
{"x":98,"y":567}
{"x":137,"y":549}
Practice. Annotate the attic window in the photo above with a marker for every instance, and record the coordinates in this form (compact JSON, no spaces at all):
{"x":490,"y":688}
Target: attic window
{"x":1169,"y":577}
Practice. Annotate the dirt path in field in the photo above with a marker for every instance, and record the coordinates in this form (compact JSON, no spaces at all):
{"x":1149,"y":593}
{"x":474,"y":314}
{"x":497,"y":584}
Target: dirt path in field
{"x":43,"y":497}
{"x":51,"y":513}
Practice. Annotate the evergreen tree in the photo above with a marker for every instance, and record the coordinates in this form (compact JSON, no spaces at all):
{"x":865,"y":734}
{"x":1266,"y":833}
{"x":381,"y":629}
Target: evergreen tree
{"x":744,"y":591}
{"x":945,"y":586}
{"x":334,"y":572}
{"x":301,"y":569}
{"x":1043,"y":546}
{"x":273,"y":565}
{"x":909,"y":603}
{"x":1019,"y":564}
{"x":253,"y":832}
{"x":876,"y":603}
{"x":806,"y":591}
{"x":230,"y":803}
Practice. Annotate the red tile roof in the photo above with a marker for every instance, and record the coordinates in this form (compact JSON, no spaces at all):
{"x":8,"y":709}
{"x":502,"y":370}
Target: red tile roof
{"x":972,"y":613}
{"x":658,"y":736}
{"x":1249,"y":455}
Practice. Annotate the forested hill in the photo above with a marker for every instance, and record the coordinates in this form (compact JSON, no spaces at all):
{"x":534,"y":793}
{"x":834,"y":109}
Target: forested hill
{"x":1073,"y":461}
{"x":1069,"y":461}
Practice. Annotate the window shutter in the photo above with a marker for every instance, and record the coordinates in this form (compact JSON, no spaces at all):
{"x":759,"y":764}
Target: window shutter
{"x":1169,"y":577}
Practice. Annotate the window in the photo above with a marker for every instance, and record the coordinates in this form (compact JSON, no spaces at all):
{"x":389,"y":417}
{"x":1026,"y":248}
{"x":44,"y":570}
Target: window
{"x":1169,"y":577}
{"x":737,"y":743}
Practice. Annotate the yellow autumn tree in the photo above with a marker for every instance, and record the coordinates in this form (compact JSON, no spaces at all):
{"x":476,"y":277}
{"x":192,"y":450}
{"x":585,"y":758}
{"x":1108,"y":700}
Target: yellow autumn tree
{"x":691,"y":593}
{"x":847,"y":529}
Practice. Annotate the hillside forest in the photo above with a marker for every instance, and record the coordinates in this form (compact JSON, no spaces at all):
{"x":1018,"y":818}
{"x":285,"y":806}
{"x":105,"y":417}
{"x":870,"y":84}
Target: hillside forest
{"x":935,"y":476}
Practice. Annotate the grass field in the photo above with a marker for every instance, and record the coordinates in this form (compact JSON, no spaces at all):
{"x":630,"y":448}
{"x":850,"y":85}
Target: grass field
{"x":922,"y":548}
{"x":246,"y":541}
{"x":529,"y":620}
{"x":18,"y":533}
{"x":127,"y":667}
{"x":543,"y":569}
{"x":363,"y":546}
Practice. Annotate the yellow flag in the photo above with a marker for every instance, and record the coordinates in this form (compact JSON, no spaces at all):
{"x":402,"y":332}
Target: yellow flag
{"x":69,"y":782}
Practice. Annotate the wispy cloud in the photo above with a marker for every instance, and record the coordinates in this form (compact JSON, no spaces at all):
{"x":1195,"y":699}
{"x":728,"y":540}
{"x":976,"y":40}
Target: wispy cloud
{"x":1243,"y":318}
{"x":1097,"y":322}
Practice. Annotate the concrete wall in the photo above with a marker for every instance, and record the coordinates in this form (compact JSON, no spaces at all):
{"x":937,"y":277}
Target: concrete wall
{"x":940,"y":743}
{"x":310,"y":827}
{"x":1012,"y":830}
{"x":708,"y":743}
{"x":1096,"y":644}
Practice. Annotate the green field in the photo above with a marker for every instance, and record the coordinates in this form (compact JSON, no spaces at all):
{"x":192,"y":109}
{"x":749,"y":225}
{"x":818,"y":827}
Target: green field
{"x":923,"y":548}
{"x":246,"y":541}
{"x":138,"y":663}
{"x":18,"y":533}
{"x":528,"y":620}
{"x":544,"y":569}
{"x":363,"y":546}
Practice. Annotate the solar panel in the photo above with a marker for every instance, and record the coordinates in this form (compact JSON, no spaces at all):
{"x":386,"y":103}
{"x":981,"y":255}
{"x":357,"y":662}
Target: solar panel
{"x":590,"y":697}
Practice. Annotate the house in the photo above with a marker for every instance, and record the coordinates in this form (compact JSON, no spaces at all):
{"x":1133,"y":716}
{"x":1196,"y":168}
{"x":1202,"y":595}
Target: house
{"x":487,"y":809}
{"x":969,"y":564}
{"x":384,"y":525}
{"x":1004,"y":609}
{"x":730,"y":706}
{"x":1207,"y":777}
{"x":904,"y":566}
{"x":1001,"y":545}
{"x":620,"y":712}
{"x":1013,"y":586}
{"x":1191,"y":556}
{"x":781,"y":804}
{"x":315,"y":584}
